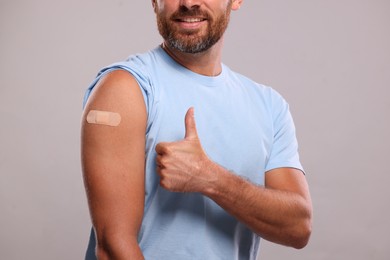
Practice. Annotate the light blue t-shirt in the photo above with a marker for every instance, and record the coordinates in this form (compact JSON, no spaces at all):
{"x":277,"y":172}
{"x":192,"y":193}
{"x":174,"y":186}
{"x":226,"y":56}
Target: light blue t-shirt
{"x":243,"y":126}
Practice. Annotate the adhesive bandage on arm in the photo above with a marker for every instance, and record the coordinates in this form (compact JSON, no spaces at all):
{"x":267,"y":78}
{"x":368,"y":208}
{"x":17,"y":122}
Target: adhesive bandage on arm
{"x":103,"y":118}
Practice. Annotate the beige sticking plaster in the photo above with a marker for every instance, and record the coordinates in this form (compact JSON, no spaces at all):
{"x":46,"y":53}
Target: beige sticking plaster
{"x":103,"y":118}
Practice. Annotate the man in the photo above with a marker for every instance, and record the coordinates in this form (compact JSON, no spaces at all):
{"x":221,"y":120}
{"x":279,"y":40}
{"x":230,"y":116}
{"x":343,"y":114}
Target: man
{"x":205,"y":188}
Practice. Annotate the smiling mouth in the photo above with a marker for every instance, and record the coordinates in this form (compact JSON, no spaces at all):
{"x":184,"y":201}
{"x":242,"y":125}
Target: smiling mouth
{"x":190,"y":20}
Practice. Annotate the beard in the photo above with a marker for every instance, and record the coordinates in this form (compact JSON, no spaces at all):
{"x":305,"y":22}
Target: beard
{"x":192,"y":41}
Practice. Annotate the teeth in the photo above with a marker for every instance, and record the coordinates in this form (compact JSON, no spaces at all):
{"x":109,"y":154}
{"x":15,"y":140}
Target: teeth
{"x":192,"y":20}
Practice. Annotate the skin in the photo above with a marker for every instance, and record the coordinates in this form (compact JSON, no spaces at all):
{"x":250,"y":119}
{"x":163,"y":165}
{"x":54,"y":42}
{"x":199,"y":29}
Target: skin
{"x":113,"y":161}
{"x":279,"y":212}
{"x":113,"y":166}
{"x":207,"y":63}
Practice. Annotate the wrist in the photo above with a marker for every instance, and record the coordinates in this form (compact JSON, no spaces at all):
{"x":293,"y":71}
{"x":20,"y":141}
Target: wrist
{"x":215,"y":178}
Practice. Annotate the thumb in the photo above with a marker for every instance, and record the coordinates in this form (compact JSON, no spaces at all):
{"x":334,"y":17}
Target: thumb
{"x":190,"y":125}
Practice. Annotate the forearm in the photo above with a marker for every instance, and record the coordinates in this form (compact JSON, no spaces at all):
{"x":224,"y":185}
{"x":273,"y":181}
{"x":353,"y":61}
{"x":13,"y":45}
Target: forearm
{"x":281,"y":212}
{"x":280,"y":216}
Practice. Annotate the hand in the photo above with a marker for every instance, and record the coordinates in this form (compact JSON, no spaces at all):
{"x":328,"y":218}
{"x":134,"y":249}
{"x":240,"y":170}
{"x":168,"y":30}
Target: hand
{"x":181,"y":165}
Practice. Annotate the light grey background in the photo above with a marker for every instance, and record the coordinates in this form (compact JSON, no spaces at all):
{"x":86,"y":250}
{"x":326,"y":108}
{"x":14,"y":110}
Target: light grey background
{"x":330,"y":59}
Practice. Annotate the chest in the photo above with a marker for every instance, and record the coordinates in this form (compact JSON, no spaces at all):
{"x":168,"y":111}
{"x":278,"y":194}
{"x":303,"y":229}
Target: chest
{"x":233,"y":124}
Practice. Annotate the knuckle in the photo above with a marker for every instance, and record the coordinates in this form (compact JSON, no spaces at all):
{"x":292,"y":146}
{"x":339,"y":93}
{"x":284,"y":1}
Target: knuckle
{"x":162,"y":162}
{"x":164,"y":183}
{"x":163,"y":148}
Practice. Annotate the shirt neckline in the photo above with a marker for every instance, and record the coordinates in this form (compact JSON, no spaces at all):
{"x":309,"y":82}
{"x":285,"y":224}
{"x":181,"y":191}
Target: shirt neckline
{"x":204,"y":80}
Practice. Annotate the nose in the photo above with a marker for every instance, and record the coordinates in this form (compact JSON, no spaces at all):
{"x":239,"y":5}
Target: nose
{"x":190,"y":4}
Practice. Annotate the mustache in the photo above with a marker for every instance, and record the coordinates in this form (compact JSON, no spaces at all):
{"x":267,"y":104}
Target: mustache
{"x":186,"y":12}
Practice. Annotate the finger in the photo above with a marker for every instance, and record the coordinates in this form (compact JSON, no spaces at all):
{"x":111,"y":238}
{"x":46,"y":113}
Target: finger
{"x":190,"y":125}
{"x":161,"y":148}
{"x":159,"y":162}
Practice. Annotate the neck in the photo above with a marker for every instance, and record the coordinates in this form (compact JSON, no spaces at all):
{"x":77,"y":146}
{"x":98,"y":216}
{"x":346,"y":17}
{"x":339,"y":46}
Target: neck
{"x":207,"y":63}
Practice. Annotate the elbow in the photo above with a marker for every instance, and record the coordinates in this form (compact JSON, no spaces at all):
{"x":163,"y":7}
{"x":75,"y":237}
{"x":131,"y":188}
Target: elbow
{"x":302,"y":235}
{"x":303,"y":229}
{"x":296,"y":236}
{"x":116,"y":245}
{"x":102,"y":253}
{"x":301,"y":242}
{"x":107,"y":248}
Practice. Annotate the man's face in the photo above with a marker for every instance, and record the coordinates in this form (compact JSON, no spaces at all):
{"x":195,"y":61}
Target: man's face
{"x":192,"y":28}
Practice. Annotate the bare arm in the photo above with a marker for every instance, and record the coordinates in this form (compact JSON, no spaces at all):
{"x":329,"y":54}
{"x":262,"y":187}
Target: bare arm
{"x":113,"y":160}
{"x":280,"y":212}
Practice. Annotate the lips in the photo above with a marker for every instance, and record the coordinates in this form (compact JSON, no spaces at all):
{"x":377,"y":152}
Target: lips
{"x":190,"y":20}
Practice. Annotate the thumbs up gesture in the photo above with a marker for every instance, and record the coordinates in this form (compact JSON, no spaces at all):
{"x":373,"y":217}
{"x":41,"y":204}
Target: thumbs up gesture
{"x":182,"y":165}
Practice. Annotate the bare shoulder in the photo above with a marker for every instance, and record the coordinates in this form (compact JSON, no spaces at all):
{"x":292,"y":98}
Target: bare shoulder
{"x":114,"y":90}
{"x":117,"y":92}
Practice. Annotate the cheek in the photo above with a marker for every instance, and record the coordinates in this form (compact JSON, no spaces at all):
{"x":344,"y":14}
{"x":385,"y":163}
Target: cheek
{"x":222,"y":5}
{"x":166,"y":6}
{"x":219,"y":9}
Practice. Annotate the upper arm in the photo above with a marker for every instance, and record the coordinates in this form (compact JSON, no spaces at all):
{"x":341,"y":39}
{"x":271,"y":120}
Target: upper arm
{"x":290,"y":180}
{"x":113,"y":157}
